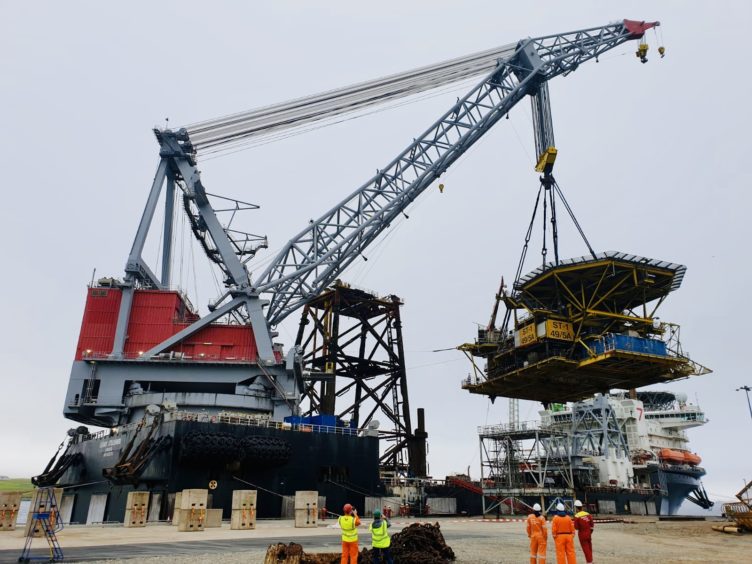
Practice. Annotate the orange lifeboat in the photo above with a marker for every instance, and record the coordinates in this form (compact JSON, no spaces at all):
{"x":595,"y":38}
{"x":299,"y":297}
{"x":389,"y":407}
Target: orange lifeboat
{"x":692,"y":458}
{"x":671,"y":456}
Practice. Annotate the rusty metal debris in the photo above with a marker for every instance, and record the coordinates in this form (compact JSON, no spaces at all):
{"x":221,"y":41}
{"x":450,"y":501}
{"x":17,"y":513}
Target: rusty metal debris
{"x":416,"y":544}
{"x":740,"y":513}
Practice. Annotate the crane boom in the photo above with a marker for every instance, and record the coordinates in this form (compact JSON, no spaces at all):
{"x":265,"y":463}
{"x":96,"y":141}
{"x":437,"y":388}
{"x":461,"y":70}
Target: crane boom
{"x":318,"y":254}
{"x":105,"y":383}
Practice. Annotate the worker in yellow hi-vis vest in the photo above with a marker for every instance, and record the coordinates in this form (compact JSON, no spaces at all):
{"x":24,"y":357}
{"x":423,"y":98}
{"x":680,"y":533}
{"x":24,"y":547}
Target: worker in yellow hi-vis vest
{"x":349,"y":524}
{"x":380,"y":540}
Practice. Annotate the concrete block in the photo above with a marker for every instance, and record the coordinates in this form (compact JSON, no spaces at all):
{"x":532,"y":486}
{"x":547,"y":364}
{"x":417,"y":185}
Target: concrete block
{"x":243,"y":515}
{"x":191,"y":520}
{"x":288,"y":507}
{"x":136,"y":509}
{"x":155,"y":505}
{"x":306,"y":517}
{"x":304,"y":499}
{"x":176,"y":508}
{"x":306,"y":509}
{"x":243,"y":519}
{"x":9,"y":504}
{"x":213,"y":518}
{"x":243,"y":499}
{"x":194,"y":499}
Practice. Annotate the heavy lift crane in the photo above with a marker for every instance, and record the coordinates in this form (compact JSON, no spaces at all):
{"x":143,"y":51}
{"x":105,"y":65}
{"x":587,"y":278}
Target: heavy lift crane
{"x":110,"y":383}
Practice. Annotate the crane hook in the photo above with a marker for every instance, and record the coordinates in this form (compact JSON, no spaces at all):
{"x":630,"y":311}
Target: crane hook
{"x":662,"y":51}
{"x":642,"y":51}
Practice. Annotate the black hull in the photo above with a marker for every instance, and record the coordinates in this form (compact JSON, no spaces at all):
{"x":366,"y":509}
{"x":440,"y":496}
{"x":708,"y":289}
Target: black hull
{"x":342,"y":467}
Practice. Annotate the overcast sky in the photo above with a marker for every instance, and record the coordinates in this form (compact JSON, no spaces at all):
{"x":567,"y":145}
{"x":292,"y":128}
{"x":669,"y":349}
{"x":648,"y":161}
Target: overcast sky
{"x":652,"y":158}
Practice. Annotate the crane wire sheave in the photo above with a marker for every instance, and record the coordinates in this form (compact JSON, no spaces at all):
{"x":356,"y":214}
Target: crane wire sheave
{"x":318,"y":254}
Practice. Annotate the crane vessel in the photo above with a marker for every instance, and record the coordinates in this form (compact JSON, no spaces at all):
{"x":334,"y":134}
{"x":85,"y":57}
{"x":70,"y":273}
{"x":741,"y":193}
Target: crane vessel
{"x":191,"y":401}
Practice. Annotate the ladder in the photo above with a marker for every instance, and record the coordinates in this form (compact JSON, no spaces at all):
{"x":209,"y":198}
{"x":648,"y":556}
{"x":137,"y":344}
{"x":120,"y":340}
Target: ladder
{"x":44,"y":516}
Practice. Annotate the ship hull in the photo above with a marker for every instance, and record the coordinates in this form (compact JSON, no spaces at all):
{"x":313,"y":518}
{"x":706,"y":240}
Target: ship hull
{"x":340,"y":465}
{"x":679,"y":483}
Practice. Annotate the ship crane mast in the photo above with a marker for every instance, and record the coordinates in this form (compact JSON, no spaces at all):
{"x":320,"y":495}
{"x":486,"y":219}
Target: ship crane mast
{"x":319,"y":253}
{"x":316,"y":256}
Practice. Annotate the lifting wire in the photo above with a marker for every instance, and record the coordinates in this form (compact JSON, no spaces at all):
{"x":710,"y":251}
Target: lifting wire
{"x":69,"y":486}
{"x":258,"y":487}
{"x":521,"y":264}
{"x":193,"y":266}
{"x":554,"y":232}
{"x":182,"y":249}
{"x":544,"y":250}
{"x":174,"y":235}
{"x":352,"y":489}
{"x":82,"y":485}
{"x":282,"y":495}
{"x":550,"y":188}
{"x":295,"y":113}
{"x":574,"y":219}
{"x":266,"y":139}
{"x":159,"y":242}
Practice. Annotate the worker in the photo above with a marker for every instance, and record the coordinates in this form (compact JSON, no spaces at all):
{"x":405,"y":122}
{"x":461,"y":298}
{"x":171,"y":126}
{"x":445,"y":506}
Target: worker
{"x":562,"y":529}
{"x":537,"y":532}
{"x":349,"y":524}
{"x":380,"y":541}
{"x":584,"y":524}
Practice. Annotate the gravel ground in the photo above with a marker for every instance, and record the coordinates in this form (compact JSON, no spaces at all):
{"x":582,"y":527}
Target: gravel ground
{"x":647,"y":543}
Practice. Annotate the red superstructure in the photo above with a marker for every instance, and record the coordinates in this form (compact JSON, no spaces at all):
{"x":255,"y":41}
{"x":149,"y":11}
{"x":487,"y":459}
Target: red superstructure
{"x":155,"y":316}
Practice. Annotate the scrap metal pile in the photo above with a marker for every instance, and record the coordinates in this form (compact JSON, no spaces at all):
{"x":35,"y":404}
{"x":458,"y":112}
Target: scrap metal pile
{"x":416,"y":544}
{"x":739,"y":513}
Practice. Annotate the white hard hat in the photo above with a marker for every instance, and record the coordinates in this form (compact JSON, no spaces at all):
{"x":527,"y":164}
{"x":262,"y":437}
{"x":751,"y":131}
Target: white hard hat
{"x":578,"y":503}
{"x":536,"y":507}
{"x":559,"y":507}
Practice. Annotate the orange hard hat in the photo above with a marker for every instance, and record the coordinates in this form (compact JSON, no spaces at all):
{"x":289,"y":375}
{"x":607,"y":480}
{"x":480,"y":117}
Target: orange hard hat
{"x":347,"y":509}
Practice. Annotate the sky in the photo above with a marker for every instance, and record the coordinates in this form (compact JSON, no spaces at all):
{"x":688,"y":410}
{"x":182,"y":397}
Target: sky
{"x":651,"y":158}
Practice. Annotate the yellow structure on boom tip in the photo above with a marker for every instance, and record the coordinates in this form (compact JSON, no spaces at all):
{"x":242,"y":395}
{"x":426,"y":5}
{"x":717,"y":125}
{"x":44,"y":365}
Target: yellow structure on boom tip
{"x":546,"y":160}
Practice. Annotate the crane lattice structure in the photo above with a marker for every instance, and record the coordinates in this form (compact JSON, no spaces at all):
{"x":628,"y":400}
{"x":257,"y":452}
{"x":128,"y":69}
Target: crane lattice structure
{"x":99,"y":386}
{"x":353,"y":350}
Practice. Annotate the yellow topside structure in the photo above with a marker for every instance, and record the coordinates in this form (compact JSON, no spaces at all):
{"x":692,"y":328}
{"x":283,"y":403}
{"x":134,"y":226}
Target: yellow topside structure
{"x":583,"y":326}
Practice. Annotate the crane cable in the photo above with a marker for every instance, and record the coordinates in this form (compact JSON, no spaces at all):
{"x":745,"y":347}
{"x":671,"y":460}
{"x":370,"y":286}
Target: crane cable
{"x":236,"y":146}
{"x":300,"y":111}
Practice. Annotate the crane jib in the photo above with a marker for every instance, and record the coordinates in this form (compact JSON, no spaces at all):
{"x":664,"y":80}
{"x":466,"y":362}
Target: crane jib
{"x":317,"y":255}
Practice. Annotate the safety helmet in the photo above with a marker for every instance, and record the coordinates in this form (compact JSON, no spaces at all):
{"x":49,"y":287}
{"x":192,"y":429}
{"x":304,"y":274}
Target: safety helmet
{"x":347,"y":509}
{"x":376,"y":513}
{"x":559,"y":507}
{"x":536,"y":507}
{"x":578,"y":503}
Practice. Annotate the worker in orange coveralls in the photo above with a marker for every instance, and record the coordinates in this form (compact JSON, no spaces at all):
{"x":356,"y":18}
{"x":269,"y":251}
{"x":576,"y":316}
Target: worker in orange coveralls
{"x":349,"y":524}
{"x":537,"y":532}
{"x":562,"y":529}
{"x":584,"y":524}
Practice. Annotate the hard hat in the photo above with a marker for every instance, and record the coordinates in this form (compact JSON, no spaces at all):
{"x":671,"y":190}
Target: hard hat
{"x":559,"y":507}
{"x":578,"y":503}
{"x":376,"y":513}
{"x":536,"y":507}
{"x":347,"y":509}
